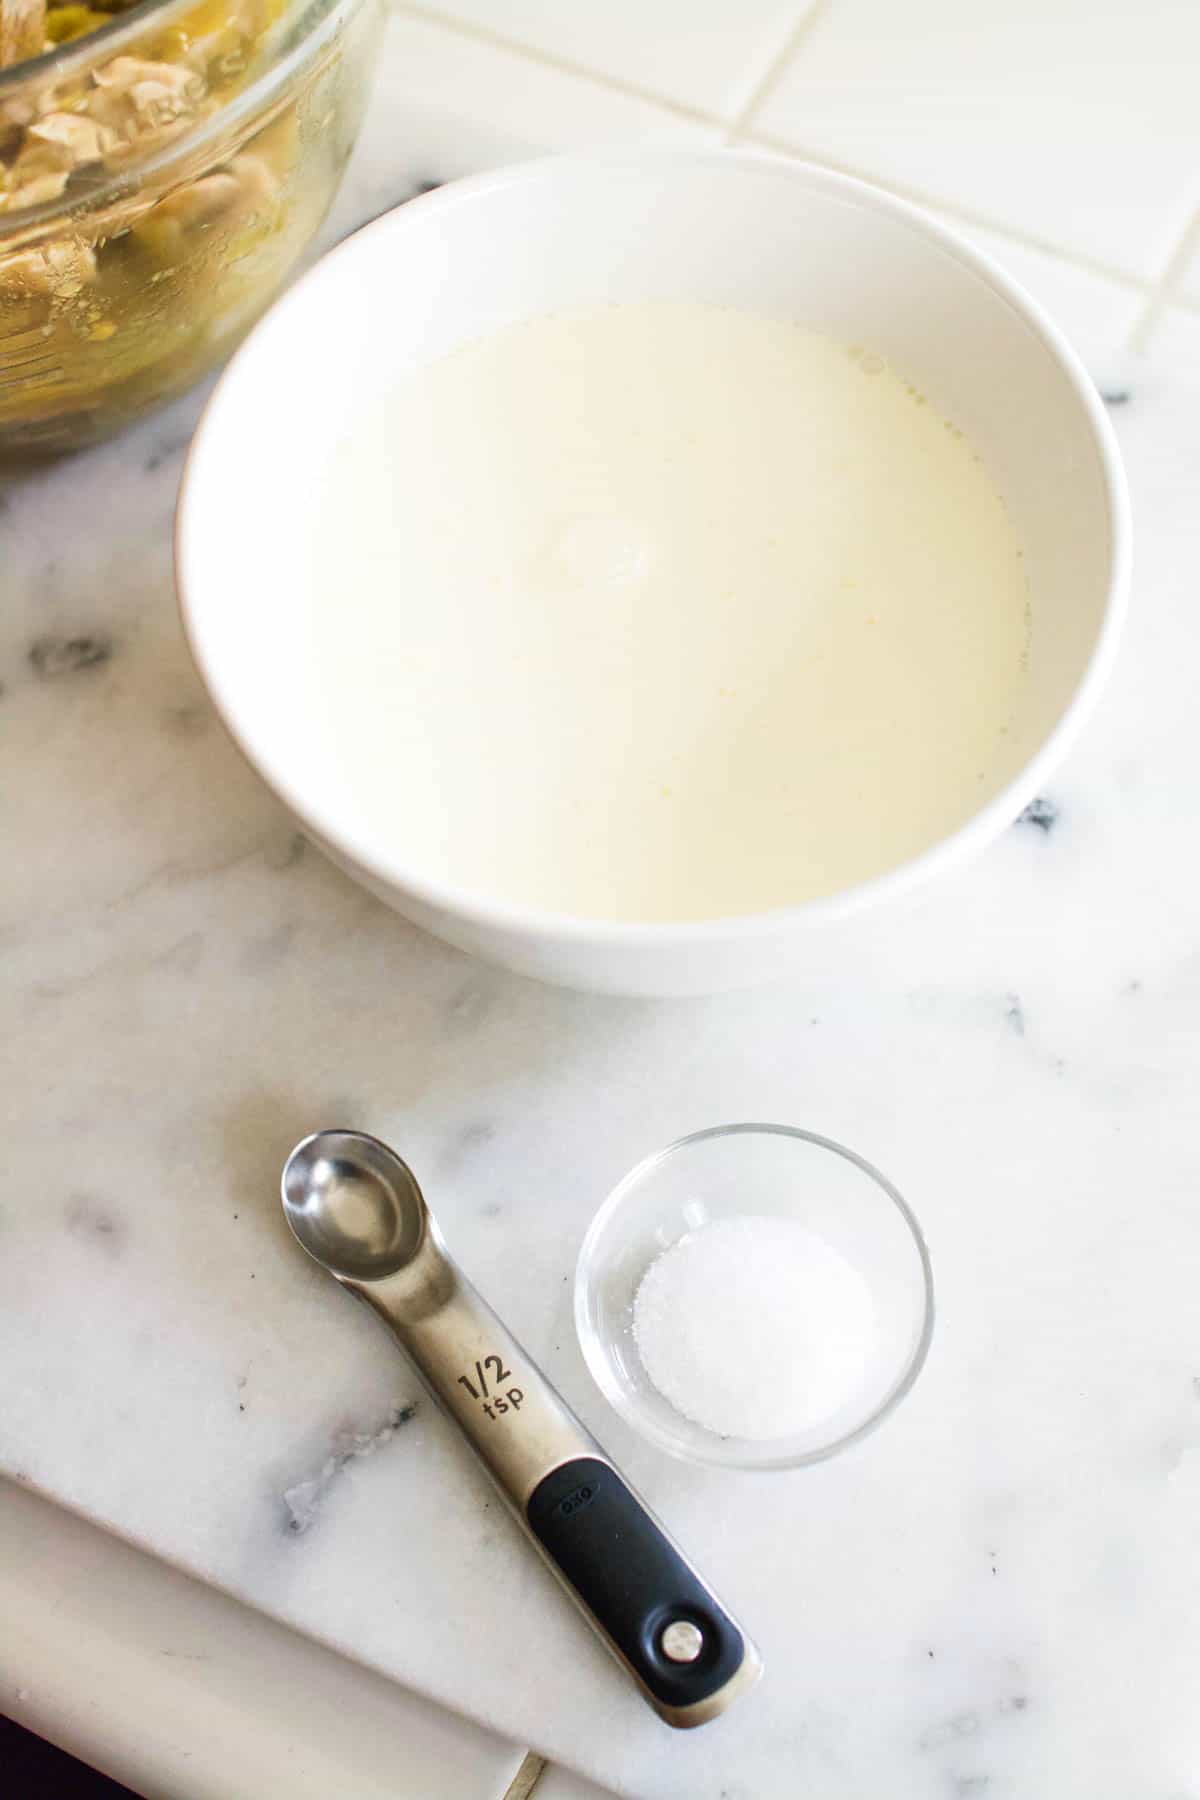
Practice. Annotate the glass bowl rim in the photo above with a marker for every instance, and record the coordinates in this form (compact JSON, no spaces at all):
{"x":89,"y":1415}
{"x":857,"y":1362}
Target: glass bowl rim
{"x":615,"y":1392}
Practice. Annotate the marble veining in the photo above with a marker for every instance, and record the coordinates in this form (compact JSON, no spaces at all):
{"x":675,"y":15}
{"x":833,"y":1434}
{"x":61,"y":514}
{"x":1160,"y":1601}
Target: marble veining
{"x":1041,"y":813}
{"x":302,"y":1502}
{"x":998,"y":1594}
{"x":96,"y":1222}
{"x":54,"y":654}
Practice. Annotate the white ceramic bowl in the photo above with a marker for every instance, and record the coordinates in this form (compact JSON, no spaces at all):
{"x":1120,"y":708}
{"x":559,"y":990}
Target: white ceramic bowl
{"x":711,"y":226}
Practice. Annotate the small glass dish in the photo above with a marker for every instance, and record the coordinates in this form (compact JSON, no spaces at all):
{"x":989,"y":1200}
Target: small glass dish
{"x":736,"y":1171}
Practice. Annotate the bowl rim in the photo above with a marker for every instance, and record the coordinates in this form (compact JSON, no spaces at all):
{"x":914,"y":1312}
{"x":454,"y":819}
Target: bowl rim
{"x":532,"y":924}
{"x":618,"y":1396}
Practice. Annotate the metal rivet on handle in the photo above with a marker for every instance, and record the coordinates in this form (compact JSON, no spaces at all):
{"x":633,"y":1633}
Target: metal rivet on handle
{"x":681,"y":1641}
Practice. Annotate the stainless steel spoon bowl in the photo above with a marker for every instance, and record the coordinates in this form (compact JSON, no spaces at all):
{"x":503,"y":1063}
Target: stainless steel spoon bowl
{"x":353,"y":1205}
{"x":356,"y":1208}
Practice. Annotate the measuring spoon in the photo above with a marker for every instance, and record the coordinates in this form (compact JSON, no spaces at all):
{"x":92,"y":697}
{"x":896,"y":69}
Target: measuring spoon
{"x":357,"y":1210}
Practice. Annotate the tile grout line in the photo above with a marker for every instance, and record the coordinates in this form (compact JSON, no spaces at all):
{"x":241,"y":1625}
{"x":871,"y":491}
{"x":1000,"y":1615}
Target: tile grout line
{"x":1163,"y":292}
{"x":736,"y":136}
{"x":759,"y":89}
{"x":951,"y":209}
{"x":561,"y":65}
{"x":532,"y":1768}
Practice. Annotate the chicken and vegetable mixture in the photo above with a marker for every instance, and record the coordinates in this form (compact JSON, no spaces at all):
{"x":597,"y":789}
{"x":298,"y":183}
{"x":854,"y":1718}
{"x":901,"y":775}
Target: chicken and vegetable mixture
{"x":159,"y":228}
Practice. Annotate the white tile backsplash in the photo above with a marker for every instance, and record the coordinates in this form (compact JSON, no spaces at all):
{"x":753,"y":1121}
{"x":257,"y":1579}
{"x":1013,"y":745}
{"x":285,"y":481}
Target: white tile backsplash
{"x":1176,"y":348}
{"x":1074,"y":122}
{"x":1096,"y":314}
{"x":1064,"y":136}
{"x":697,"y":53}
{"x":456,"y":104}
{"x":1189,"y":287}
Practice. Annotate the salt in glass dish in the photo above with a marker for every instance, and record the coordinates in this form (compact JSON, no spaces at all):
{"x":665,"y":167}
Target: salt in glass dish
{"x":749,"y":1171}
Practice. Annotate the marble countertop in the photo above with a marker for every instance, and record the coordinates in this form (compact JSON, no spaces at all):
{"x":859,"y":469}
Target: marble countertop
{"x":996,"y":1595}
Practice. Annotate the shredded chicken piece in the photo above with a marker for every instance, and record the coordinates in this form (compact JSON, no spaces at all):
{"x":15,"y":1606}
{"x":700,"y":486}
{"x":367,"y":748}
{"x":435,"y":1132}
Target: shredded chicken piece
{"x":39,"y":173}
{"x":143,"y":105}
{"x":225,"y":196}
{"x":135,"y":76}
{"x":22,"y":30}
{"x":61,"y":269}
{"x":80,"y":139}
{"x":15,"y":113}
{"x":257,"y":178}
{"x":199,"y":203}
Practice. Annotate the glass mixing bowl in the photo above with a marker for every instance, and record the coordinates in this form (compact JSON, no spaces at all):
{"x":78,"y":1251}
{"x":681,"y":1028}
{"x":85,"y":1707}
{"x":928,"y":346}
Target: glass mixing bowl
{"x":746,"y":1171}
{"x":159,"y":177}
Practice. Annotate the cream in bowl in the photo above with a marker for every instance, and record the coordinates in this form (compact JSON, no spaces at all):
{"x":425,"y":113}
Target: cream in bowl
{"x":625,"y":564}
